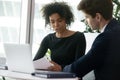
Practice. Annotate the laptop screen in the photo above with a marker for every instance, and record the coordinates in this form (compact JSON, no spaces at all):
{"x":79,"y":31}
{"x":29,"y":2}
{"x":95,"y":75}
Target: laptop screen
{"x":19,"y":57}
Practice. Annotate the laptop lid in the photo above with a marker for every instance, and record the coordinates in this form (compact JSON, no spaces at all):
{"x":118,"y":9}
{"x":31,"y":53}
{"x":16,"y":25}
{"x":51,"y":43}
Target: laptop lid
{"x":19,"y":57}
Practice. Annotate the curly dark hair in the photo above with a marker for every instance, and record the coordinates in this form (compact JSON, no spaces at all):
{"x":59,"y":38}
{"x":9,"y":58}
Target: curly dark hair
{"x":58,"y":7}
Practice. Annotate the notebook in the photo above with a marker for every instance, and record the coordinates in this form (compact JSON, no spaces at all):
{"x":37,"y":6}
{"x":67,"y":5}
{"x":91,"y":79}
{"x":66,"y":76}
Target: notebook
{"x":19,"y":59}
{"x":53,"y":74}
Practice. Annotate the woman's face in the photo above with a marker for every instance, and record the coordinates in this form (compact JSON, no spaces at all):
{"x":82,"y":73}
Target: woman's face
{"x":57,"y":23}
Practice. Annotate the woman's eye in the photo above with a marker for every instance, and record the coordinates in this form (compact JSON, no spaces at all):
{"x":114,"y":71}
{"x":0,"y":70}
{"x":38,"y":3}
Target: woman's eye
{"x":52,"y":22}
{"x":60,"y":20}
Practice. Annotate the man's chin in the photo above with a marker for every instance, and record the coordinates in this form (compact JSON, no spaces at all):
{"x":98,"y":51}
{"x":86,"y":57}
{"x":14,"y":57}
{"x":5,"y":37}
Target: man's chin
{"x":93,"y":28}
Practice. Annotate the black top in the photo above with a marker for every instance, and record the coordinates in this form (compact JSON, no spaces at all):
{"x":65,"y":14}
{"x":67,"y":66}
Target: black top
{"x":63,"y":50}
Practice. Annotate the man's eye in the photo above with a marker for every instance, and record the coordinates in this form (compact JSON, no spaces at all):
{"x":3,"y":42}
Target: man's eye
{"x":60,"y":20}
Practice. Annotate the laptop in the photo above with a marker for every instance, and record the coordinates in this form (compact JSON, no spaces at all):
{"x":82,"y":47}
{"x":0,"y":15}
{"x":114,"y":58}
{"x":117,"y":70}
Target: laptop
{"x":19,"y":59}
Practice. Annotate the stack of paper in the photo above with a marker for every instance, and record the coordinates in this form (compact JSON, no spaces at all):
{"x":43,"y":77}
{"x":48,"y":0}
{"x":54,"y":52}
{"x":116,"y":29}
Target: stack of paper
{"x":42,"y":63}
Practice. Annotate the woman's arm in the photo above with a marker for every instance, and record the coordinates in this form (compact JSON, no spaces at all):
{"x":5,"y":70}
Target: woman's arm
{"x":42,"y":49}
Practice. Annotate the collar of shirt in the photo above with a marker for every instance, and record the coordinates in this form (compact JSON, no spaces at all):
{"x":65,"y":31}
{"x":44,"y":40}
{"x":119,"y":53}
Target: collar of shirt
{"x":102,"y":30}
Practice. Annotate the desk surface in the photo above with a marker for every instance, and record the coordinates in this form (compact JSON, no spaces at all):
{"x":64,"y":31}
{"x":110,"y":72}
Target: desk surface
{"x":24,"y":76}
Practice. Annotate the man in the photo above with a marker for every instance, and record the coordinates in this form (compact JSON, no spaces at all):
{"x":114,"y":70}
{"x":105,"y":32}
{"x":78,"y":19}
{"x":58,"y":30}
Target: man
{"x":104,"y":55}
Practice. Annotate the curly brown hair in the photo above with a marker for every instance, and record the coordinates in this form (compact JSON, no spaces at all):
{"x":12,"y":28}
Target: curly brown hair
{"x":61,"y":8}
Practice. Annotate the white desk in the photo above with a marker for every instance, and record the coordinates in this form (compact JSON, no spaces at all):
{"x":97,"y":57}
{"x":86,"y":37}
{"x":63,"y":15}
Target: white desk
{"x":22,"y":76}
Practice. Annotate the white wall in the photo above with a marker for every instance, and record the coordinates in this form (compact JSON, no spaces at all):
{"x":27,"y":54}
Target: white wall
{"x":90,"y":37}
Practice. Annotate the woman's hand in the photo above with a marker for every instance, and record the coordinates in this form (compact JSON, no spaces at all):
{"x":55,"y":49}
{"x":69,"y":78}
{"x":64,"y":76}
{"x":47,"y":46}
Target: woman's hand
{"x":55,"y":67}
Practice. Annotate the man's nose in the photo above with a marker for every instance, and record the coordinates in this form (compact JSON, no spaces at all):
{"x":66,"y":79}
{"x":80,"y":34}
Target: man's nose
{"x":56,"y":24}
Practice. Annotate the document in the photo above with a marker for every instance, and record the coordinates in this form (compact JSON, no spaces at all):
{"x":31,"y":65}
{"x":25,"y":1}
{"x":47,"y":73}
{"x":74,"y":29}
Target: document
{"x":42,"y":63}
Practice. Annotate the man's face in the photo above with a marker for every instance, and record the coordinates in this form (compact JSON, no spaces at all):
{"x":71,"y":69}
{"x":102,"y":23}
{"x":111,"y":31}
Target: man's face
{"x":92,"y":22}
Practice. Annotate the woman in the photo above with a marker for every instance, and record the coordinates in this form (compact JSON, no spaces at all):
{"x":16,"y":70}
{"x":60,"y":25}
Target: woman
{"x":65,"y":45}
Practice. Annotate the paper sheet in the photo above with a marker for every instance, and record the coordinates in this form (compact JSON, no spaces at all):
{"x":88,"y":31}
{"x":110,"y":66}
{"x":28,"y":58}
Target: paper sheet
{"x":42,"y":63}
